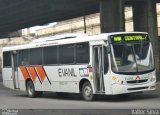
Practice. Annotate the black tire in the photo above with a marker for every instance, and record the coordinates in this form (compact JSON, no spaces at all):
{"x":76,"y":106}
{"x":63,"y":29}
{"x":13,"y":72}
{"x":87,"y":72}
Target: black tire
{"x":87,"y":92}
{"x":31,"y":90}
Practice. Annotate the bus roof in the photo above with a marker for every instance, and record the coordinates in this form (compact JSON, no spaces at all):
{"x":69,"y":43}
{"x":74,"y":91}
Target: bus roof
{"x":64,"y":39}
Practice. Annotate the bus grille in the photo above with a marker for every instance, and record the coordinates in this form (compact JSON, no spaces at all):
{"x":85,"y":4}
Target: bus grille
{"x":137,"y":88}
{"x":138,"y":81}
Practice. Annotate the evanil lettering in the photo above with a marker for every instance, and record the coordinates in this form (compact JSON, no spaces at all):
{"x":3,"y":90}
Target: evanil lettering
{"x":66,"y":72}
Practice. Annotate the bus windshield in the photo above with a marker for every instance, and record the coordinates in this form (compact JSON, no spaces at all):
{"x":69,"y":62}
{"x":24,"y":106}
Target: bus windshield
{"x":132,"y":57}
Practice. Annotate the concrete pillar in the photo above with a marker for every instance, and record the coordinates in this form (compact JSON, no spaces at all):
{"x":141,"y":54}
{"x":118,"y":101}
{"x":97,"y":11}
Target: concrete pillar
{"x":145,"y":19}
{"x":112,"y":15}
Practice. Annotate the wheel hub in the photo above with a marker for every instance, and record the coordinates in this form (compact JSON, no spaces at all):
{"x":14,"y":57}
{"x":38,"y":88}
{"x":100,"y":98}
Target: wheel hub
{"x":88,"y":91}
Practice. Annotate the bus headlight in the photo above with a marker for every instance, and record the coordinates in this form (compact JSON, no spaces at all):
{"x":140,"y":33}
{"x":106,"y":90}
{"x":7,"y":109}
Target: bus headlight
{"x":117,"y":80}
{"x":153,"y":78}
{"x":114,"y":78}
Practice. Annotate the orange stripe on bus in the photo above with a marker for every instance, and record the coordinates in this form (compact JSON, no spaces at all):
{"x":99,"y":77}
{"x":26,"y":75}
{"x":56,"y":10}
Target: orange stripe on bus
{"x":32,"y":73}
{"x":24,"y":72}
{"x":41,"y":73}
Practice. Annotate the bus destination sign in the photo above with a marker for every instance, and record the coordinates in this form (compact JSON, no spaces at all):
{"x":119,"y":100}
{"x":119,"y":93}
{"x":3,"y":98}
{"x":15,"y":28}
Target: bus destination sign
{"x":129,"y":38}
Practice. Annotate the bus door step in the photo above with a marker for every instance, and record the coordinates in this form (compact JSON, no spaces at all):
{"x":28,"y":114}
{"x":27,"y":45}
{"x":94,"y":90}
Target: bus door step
{"x":100,"y":92}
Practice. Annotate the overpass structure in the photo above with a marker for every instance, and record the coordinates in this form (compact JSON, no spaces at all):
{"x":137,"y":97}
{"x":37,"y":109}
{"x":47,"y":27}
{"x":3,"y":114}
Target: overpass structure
{"x":18,"y":14}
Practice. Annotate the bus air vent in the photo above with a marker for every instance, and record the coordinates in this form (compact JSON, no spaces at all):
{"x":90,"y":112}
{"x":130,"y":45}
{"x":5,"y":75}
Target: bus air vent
{"x":138,"y":81}
{"x":137,"y":88}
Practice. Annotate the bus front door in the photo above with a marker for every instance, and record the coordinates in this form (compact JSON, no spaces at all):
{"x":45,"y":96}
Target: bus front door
{"x":98,"y":65}
{"x":15,"y":70}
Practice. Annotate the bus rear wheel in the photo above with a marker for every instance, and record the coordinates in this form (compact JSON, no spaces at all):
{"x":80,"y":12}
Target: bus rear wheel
{"x":31,"y":90}
{"x":87,"y":92}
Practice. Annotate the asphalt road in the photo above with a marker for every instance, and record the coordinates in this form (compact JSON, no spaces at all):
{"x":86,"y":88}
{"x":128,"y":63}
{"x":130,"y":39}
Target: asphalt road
{"x":19,"y":100}
{"x":73,"y":104}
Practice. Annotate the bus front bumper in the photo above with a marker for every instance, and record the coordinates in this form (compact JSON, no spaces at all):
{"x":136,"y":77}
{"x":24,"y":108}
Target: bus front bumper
{"x":130,"y":88}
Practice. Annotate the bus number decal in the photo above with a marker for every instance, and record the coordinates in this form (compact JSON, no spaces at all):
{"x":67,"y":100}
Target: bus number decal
{"x":84,"y":72}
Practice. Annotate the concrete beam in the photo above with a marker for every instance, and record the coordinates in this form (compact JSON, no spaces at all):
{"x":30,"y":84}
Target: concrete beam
{"x":145,"y":19}
{"x":112,"y":15}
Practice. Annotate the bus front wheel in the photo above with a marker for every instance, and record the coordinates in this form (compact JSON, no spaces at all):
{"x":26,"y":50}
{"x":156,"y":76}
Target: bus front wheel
{"x":87,"y":91}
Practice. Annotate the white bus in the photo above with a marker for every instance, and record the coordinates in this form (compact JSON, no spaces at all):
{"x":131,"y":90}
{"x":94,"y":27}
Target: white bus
{"x":109,"y":64}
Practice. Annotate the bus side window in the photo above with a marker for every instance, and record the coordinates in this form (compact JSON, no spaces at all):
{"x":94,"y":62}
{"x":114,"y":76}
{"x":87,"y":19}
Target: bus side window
{"x":66,"y":54}
{"x":6,"y":59}
{"x":35,"y":56}
{"x":50,"y":55}
{"x":82,"y":53}
{"x":106,"y":64}
{"x":23,"y":57}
